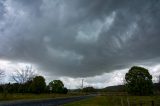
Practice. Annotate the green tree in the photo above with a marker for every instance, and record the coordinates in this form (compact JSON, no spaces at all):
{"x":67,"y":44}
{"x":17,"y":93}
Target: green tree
{"x":57,"y":86}
{"x":139,"y":81}
{"x":38,"y":85}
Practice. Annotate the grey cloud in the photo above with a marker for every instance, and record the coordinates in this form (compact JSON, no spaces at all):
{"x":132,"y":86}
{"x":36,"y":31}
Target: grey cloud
{"x":34,"y":7}
{"x":2,"y":10}
{"x":81,"y":38}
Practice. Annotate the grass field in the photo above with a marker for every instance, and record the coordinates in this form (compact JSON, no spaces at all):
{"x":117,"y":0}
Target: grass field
{"x":118,"y":101}
{"x":32,"y":96}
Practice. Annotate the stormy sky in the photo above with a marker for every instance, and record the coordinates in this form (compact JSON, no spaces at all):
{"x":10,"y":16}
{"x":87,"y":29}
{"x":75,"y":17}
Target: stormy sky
{"x":74,"y":39}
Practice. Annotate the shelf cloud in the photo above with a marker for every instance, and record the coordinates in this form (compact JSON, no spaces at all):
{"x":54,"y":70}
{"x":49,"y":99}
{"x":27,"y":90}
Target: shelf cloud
{"x":80,"y":38}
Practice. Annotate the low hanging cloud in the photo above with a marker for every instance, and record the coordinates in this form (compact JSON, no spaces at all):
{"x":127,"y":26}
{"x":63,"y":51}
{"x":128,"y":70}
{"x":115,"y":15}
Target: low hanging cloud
{"x":80,"y":38}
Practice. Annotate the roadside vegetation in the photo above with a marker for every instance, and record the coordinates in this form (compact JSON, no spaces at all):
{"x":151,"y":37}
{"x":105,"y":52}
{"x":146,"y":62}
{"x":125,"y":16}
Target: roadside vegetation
{"x":29,"y":85}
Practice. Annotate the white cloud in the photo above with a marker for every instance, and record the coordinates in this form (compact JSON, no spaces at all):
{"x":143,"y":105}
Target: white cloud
{"x":9,"y":68}
{"x":99,"y":81}
{"x":116,"y":77}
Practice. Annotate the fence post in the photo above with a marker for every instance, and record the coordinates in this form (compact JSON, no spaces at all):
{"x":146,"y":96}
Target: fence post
{"x":128,"y":101}
{"x":121,"y":101}
{"x":152,"y":103}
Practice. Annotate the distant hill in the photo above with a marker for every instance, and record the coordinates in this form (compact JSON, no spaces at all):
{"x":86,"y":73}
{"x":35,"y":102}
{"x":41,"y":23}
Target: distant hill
{"x":117,"y":88}
{"x":121,"y":88}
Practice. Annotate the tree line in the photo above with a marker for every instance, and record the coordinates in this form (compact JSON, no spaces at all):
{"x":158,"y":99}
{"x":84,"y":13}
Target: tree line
{"x":138,"y":81}
{"x":26,"y":81}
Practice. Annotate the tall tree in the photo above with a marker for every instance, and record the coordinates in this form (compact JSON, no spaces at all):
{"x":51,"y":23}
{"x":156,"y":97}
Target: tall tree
{"x":38,"y":85}
{"x":57,"y":86}
{"x":24,"y":75}
{"x":139,"y":81}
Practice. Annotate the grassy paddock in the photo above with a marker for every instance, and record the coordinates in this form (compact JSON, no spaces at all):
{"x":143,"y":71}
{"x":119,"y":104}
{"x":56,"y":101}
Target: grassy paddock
{"x":25,"y":96}
{"x":118,"y":101}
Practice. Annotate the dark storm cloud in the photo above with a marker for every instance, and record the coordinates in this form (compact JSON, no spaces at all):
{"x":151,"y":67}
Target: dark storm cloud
{"x":2,"y":9}
{"x":81,"y":37}
{"x":34,"y":6}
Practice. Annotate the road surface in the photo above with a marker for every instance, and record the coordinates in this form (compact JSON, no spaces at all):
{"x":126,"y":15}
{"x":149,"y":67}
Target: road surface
{"x":44,"y":102}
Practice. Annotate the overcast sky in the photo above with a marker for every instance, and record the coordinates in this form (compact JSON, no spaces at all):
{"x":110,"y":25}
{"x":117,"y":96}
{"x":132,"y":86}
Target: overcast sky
{"x":98,"y":40}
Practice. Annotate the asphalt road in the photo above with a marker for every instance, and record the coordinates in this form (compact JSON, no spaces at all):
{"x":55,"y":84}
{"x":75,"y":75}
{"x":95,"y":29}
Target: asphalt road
{"x":45,"y":102}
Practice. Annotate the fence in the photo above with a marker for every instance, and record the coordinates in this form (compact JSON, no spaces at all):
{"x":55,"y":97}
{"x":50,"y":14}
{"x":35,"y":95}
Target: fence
{"x":140,"y":103}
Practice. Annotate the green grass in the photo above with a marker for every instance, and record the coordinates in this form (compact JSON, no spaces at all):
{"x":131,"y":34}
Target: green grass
{"x":20,"y":96}
{"x":117,"y":101}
